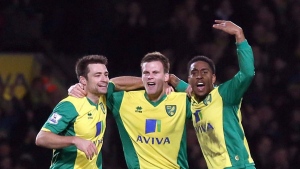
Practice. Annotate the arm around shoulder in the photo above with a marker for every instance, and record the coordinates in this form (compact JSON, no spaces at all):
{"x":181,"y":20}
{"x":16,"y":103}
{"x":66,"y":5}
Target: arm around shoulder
{"x":177,"y":83}
{"x":127,"y":83}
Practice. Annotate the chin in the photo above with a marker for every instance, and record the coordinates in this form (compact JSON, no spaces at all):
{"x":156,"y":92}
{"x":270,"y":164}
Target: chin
{"x":102,"y":92}
{"x":200,"y":94}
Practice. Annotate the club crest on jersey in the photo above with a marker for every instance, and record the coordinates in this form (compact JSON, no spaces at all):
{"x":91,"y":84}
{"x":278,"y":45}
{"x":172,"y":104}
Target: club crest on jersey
{"x":54,"y":118}
{"x":171,"y":109}
{"x":207,"y":100}
{"x":102,"y":107}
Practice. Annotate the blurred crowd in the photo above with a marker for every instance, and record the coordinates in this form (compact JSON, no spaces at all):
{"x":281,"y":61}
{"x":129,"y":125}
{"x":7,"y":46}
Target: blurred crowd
{"x":124,"y":31}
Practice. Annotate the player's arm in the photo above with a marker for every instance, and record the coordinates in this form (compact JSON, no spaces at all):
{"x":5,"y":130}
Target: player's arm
{"x":77,"y":90}
{"x":53,"y":141}
{"x":230,"y":28}
{"x":127,"y":83}
{"x":241,"y":81}
{"x":50,"y":140}
{"x":49,"y":136}
{"x":122,"y":83}
{"x":179,"y":85}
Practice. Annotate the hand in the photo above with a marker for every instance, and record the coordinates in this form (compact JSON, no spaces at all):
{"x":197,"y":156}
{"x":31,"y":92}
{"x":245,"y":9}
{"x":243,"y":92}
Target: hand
{"x":77,"y":91}
{"x":168,"y":88}
{"x":230,"y":28}
{"x":189,"y":91}
{"x":86,"y":146}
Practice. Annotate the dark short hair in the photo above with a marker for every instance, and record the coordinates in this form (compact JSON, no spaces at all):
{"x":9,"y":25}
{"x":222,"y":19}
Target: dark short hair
{"x":204,"y":59}
{"x":157,"y":56}
{"x":81,"y":67}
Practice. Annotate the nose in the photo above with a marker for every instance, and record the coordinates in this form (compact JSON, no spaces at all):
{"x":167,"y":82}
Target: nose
{"x":199,"y":76}
{"x":150,"y":76}
{"x":104,"y":78}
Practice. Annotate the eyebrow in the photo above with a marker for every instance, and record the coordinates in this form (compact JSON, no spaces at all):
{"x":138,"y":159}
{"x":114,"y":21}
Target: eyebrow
{"x":200,"y":69}
{"x":101,"y":72}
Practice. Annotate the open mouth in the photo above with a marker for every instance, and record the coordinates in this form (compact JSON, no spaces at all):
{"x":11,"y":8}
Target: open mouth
{"x":200,"y":86}
{"x":150,"y":83}
{"x":102,"y":85}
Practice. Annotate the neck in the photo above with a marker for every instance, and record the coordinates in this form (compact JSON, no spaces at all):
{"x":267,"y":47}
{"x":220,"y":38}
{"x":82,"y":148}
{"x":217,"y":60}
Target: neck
{"x":199,"y":98}
{"x":155,"y":97}
{"x":93,"y":98}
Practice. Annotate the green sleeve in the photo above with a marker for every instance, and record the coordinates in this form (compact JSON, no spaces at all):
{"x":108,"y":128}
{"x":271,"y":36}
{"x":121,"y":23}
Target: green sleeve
{"x":63,"y":114}
{"x":233,"y":90}
{"x":182,"y":86}
{"x":110,"y":89}
{"x":188,"y":108}
{"x":114,"y":102}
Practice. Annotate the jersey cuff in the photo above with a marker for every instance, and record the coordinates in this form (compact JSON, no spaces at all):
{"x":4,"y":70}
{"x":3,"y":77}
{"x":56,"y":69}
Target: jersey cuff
{"x":182,"y":86}
{"x":45,"y":129}
{"x":243,"y":44}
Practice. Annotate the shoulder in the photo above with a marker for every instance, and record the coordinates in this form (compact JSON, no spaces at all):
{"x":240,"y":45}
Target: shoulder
{"x":73,"y":99}
{"x":177,"y":95}
{"x":132,"y":93}
{"x":71,"y":103}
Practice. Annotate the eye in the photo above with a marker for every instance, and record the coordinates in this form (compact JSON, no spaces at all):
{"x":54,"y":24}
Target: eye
{"x":194,"y":73}
{"x":204,"y":71}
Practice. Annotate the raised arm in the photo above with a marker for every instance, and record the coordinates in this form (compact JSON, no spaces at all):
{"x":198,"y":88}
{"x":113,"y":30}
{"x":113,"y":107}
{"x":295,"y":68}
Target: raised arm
{"x":230,"y":28}
{"x":241,"y":81}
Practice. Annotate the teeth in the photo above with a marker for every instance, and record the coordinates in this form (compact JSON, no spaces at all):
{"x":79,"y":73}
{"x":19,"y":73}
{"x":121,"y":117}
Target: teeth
{"x":151,"y":83}
{"x":200,"y":84}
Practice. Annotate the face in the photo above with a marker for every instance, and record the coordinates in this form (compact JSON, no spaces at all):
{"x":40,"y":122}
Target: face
{"x":97,"y":80}
{"x":201,"y":79}
{"x":154,"y":79}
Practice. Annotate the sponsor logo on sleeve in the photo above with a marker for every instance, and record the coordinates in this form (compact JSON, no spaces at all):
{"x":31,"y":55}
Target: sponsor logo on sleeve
{"x":54,"y":118}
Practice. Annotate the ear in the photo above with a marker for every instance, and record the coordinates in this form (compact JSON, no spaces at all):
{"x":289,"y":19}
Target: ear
{"x":167,"y":76}
{"x":82,"y":80}
{"x":214,"y":78}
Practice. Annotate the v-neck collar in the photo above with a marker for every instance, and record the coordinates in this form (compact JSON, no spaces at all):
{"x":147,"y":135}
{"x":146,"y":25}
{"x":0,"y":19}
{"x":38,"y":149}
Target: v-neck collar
{"x":156,"y":102}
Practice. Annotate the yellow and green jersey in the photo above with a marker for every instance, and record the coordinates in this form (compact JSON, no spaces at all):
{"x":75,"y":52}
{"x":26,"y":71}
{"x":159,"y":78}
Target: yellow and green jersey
{"x":153,"y":134}
{"x":82,"y":118}
{"x":217,"y":119}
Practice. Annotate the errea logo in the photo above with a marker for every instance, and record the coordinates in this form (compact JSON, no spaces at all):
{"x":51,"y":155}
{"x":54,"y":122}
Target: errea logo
{"x":138,"y":109}
{"x":90,"y":115}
